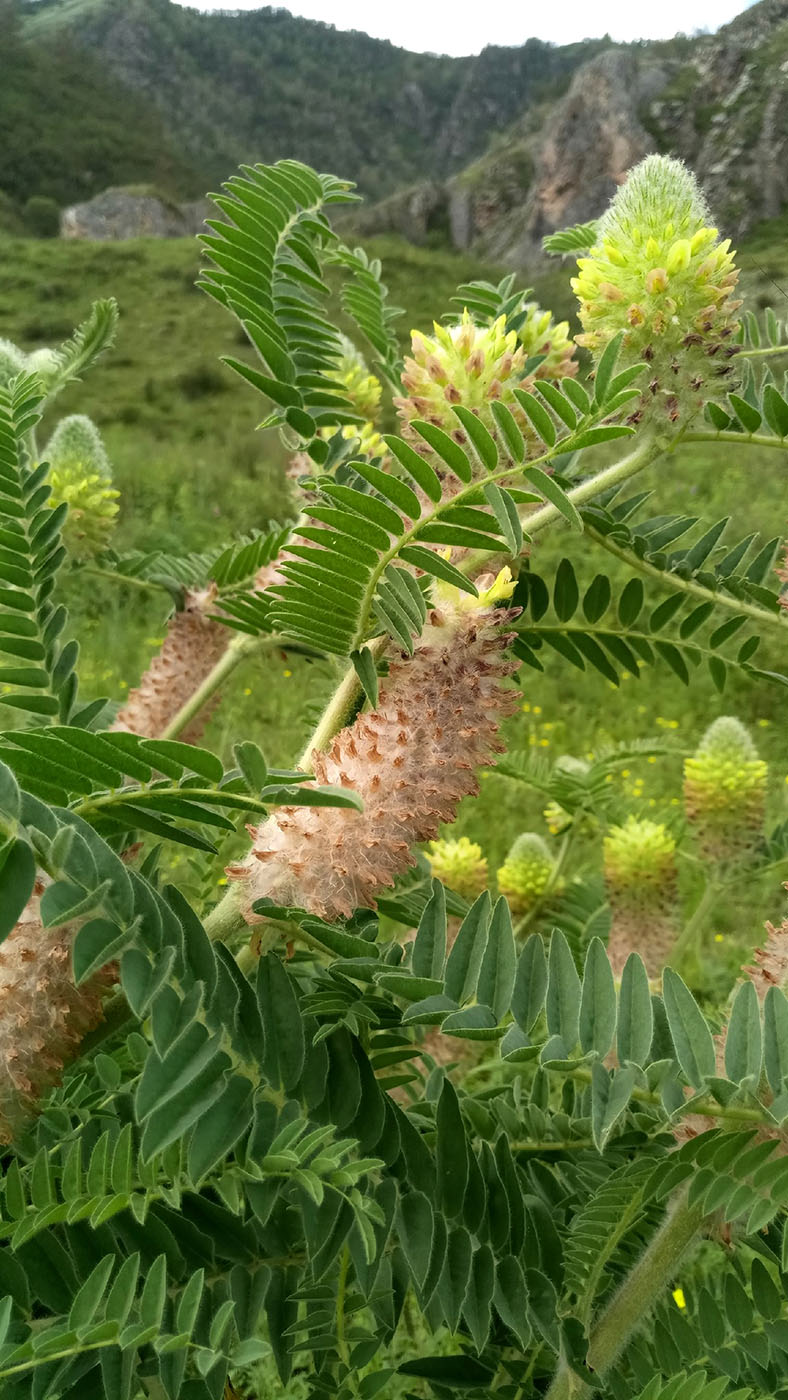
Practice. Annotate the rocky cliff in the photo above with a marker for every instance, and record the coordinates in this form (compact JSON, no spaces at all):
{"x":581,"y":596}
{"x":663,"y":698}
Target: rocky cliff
{"x":720,"y":102}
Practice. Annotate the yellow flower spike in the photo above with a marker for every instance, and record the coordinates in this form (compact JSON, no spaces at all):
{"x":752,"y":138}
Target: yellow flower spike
{"x":459,"y":864}
{"x":655,"y":238}
{"x":725,"y":792}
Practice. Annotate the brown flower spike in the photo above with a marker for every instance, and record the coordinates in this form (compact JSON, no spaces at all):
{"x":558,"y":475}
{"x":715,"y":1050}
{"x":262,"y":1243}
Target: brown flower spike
{"x":411,"y":761}
{"x":191,"y":649}
{"x":43,"y":1016}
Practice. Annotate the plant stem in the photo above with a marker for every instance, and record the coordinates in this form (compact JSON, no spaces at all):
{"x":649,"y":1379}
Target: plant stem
{"x":631,"y":1305}
{"x":238,"y":649}
{"x":740,"y":439}
{"x":686,"y":939}
{"x":672,"y":581}
{"x":762,"y":352}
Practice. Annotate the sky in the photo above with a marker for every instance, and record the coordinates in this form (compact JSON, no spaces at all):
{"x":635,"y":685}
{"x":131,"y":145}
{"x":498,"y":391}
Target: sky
{"x":466,"y":26}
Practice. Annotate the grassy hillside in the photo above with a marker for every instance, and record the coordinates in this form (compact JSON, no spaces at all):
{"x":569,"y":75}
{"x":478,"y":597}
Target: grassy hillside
{"x":180,"y":429}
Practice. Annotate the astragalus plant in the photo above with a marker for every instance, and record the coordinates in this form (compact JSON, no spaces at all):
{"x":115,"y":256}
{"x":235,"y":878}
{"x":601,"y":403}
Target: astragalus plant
{"x":347,"y":1131}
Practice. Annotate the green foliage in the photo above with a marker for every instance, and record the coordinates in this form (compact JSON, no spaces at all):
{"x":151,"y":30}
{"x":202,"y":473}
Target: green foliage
{"x":41,"y":216}
{"x":427,"y":1149}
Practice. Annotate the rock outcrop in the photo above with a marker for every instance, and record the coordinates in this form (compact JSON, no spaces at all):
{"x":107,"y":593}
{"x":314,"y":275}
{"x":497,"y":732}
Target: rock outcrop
{"x":718,"y":101}
{"x":132,"y":213}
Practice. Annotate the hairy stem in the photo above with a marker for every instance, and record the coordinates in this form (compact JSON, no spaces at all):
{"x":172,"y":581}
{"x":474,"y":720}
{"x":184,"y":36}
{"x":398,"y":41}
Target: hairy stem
{"x":631,"y":1305}
{"x":740,"y":439}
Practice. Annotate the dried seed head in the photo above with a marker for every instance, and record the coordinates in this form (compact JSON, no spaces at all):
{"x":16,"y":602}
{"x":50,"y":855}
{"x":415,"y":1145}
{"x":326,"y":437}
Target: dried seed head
{"x":191,"y":648}
{"x":43,"y":1016}
{"x":411,"y":761}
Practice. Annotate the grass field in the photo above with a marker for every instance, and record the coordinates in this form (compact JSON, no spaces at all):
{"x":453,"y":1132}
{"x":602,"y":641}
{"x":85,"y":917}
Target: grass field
{"x":180,"y":431}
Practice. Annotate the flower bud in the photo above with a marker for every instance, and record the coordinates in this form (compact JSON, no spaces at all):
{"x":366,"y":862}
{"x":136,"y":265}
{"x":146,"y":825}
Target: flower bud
{"x":460,"y":865}
{"x":527,"y":873}
{"x":641,"y":880}
{"x":80,"y":475}
{"x":725,"y":792}
{"x":673,"y":282}
{"x":541,"y":335}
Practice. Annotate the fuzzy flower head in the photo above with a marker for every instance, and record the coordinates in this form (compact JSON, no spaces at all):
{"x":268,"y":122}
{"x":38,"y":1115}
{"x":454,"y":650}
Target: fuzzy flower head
{"x":641,"y":881}
{"x":725,"y":791}
{"x":659,"y":272}
{"x":464,"y":364}
{"x":539,"y":334}
{"x":12,"y":362}
{"x":459,"y":864}
{"x":526,"y":873}
{"x":362,"y":388}
{"x":640,"y":858}
{"x":80,"y":475}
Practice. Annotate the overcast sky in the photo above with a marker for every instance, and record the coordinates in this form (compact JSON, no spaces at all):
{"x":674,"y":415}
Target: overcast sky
{"x":465,"y":26}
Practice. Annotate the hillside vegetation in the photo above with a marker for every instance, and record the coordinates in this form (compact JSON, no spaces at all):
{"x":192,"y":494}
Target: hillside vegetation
{"x":241,"y":87}
{"x":65,"y":131}
{"x":180,"y":430}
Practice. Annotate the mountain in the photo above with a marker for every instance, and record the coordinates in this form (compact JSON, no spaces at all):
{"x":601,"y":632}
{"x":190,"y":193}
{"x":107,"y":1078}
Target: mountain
{"x":719,"y":101}
{"x":261,"y":84}
{"x":65,"y":129}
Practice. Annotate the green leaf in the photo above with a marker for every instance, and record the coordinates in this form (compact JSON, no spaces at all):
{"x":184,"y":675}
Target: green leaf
{"x":452,"y":1151}
{"x":17,"y":880}
{"x":598,"y":1002}
{"x":367,"y":672}
{"x":154,"y":1294}
{"x":450,"y":453}
{"x":775,"y":1038}
{"x":566,"y":594}
{"x":477,"y":1303}
{"x":86,"y":1301}
{"x":530,"y":983}
{"x":282,"y":1024}
{"x":465,"y":958}
{"x":252,"y":764}
{"x":213,"y":1136}
{"x":429,"y":948}
{"x":552,"y":492}
{"x":509,"y":1299}
{"x":456,"y":1272}
{"x":743,"y":1041}
{"x":635,"y":1013}
{"x":461,"y":1372}
{"x":505,"y":512}
{"x":605,"y":368}
{"x":563,"y":992}
{"x":479,"y":436}
{"x":537,"y":414}
{"x":610,"y":1094}
{"x":691,"y":1035}
{"x":415,"y":1225}
{"x":497,"y":971}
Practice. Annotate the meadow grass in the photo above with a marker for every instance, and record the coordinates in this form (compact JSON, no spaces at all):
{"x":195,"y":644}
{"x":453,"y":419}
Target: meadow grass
{"x":180,"y":430}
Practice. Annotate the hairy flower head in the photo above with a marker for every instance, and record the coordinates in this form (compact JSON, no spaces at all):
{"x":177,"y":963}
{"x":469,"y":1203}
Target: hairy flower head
{"x":461,"y":365}
{"x":641,"y":878}
{"x":80,"y":475}
{"x":12,"y":362}
{"x":659,"y":273}
{"x":362,"y":388}
{"x":526,"y":873}
{"x":539,"y":334}
{"x":459,"y":864}
{"x":725,"y":791}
